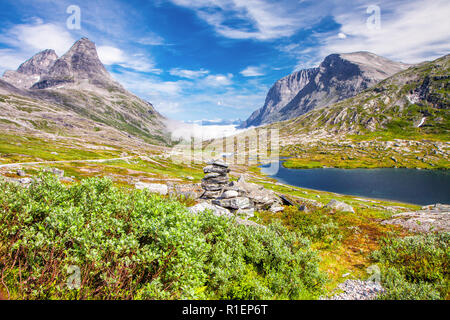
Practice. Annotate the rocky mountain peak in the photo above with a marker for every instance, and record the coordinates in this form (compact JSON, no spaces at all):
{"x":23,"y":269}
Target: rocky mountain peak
{"x":80,"y":64}
{"x":31,"y":70}
{"x":39,"y":63}
{"x":338,"y":77}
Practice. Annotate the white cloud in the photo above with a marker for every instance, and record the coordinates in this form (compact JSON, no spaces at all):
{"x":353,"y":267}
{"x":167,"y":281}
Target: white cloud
{"x":215,"y":80}
{"x":411,"y":31}
{"x":252,"y":72}
{"x":189,"y":74}
{"x":151,"y":39}
{"x":111,"y":55}
{"x":25,"y":40}
{"x":10,"y":59}
{"x":38,"y":36}
{"x":257,"y":19}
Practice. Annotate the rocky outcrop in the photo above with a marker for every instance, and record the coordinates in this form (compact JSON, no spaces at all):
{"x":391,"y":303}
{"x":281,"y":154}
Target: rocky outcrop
{"x":432,"y":218}
{"x":338,"y":77}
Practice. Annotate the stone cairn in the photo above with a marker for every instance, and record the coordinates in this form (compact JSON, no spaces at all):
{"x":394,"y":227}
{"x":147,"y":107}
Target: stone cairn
{"x":215,"y":180}
{"x":238,"y":197}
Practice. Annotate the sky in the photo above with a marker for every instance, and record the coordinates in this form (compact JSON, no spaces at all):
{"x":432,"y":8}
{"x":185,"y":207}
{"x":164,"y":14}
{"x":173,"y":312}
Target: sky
{"x":216,"y":59}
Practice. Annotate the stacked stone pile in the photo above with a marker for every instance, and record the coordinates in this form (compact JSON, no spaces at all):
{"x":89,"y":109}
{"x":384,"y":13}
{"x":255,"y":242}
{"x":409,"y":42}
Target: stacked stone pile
{"x":238,"y":197}
{"x":215,"y":180}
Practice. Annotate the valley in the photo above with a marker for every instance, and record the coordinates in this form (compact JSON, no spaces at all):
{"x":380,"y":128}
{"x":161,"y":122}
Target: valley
{"x":86,"y":164}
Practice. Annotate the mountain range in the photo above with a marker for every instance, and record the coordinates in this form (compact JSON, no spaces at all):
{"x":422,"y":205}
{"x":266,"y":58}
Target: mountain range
{"x":338,"y":77}
{"x":75,"y":94}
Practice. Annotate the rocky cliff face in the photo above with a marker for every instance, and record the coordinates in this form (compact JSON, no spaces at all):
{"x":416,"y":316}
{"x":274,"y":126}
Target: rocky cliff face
{"x":338,"y":77}
{"x":281,"y":93}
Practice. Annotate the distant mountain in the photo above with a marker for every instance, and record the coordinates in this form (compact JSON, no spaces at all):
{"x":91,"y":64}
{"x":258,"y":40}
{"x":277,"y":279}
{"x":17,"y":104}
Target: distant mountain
{"x":412,"y":103}
{"x":338,"y":77}
{"x":78,"y":82}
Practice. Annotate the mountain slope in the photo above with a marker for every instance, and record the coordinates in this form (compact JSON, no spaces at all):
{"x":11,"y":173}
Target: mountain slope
{"x":411,"y":104}
{"x":78,"y":83}
{"x":338,"y":77}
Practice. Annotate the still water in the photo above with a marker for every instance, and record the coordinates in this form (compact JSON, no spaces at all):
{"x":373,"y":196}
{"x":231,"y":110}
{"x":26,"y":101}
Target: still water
{"x":405,"y":185}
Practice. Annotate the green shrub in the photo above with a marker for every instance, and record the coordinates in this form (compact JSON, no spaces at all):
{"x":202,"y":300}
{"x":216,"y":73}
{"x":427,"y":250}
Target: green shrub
{"x":316,"y":226}
{"x":130,"y":244}
{"x":415,"y":267}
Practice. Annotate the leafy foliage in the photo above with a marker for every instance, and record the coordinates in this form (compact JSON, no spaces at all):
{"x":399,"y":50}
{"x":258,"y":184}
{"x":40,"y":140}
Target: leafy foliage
{"x":130,"y":244}
{"x":415,"y":267}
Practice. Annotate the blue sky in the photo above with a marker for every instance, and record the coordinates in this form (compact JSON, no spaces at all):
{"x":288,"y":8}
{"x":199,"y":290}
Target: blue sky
{"x":216,"y":59}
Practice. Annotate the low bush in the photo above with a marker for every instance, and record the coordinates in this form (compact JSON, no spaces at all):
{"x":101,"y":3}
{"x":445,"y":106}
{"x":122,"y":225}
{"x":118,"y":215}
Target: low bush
{"x":129,"y":244}
{"x":415,"y":267}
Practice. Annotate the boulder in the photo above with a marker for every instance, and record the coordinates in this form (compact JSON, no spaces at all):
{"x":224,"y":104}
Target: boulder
{"x":230,"y":194}
{"x":234,"y":203}
{"x":276,"y":208}
{"x":21,"y":173}
{"x":339,"y":206}
{"x":216,"y":210}
{"x":162,"y":189}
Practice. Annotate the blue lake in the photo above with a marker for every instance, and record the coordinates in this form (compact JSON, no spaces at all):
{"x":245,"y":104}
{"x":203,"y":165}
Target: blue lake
{"x":405,"y":185}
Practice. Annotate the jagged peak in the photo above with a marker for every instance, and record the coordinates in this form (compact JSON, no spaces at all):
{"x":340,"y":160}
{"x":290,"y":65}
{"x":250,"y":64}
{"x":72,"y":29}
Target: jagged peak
{"x":39,"y":63}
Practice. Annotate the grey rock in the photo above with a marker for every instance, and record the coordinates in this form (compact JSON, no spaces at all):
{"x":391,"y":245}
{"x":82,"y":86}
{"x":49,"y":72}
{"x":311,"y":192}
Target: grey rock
{"x":230,"y":194}
{"x":216,"y":210}
{"x":234,"y":203}
{"x":215,"y":169}
{"x":212,"y":175}
{"x":21,"y":173}
{"x":218,"y":163}
{"x":303,"y":208}
{"x":276,"y":208}
{"x":339,"y":206}
{"x":212,"y":186}
{"x":358,"y":290}
{"x":211,"y":194}
{"x":80,"y":63}
{"x":25,"y":180}
{"x":57,"y":172}
{"x":162,"y":189}
{"x":31,"y":70}
{"x":432,"y":218}
{"x":216,"y":180}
